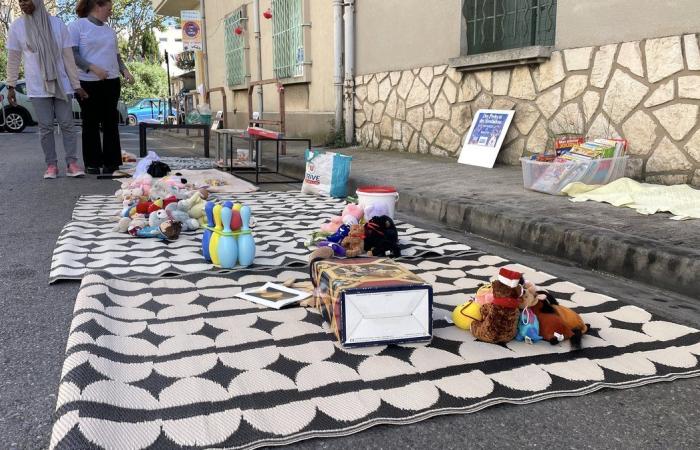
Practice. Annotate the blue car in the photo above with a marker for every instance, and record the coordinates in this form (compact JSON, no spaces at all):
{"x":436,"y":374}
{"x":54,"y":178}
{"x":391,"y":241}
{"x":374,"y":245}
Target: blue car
{"x":147,"y":109}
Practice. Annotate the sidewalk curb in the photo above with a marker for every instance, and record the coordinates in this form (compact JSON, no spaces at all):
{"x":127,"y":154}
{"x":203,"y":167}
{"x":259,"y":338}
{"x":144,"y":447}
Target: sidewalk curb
{"x":589,"y":247}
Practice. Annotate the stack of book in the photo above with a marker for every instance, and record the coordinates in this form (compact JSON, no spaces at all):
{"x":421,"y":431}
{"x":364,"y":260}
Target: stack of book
{"x":595,"y":149}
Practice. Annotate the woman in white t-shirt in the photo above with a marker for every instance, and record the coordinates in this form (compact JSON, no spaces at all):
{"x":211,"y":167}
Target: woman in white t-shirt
{"x":51,"y":79}
{"x":97,"y":56}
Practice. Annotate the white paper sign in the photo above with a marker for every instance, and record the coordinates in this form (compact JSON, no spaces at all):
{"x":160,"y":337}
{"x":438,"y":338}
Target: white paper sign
{"x":485,"y":137}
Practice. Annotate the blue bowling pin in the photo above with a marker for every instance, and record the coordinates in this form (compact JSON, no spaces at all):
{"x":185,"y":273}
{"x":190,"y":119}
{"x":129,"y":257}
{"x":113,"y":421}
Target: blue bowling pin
{"x":246,"y":243}
{"x":209,"y":211}
{"x":228,"y":247}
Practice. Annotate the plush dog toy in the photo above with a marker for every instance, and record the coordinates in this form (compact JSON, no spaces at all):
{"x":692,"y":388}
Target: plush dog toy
{"x":138,"y":220}
{"x":499,"y":319}
{"x":558,"y":322}
{"x":354,"y":243}
{"x":528,"y":325}
{"x":167,"y":231}
{"x":188,"y":223}
{"x":194,"y":206}
{"x":381,"y":237}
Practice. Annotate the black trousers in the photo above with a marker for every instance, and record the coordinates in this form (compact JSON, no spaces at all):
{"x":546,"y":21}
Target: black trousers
{"x":99,"y":110}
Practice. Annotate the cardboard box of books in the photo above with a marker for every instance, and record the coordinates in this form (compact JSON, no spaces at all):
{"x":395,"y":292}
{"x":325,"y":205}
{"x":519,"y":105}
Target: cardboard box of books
{"x":373,"y":301}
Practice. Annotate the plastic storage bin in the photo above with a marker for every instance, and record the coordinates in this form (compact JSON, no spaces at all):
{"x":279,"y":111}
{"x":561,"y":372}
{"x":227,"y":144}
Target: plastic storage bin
{"x":552,"y":177}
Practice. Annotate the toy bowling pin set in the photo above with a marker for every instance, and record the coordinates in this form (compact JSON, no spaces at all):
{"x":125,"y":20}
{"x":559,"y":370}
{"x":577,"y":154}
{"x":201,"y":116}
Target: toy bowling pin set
{"x":227,"y":237}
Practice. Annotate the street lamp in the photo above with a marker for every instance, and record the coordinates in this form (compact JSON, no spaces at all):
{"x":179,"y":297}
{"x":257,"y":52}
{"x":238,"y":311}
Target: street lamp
{"x":170,"y":94}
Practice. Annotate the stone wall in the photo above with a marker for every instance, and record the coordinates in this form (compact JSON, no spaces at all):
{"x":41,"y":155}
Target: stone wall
{"x":646,"y":91}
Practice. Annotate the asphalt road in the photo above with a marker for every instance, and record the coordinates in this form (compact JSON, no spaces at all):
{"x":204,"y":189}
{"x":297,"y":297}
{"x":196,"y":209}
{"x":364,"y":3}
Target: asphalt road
{"x":35,"y":319}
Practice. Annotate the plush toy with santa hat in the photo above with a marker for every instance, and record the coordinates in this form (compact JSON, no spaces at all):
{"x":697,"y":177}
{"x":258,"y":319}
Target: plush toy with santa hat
{"x":499,"y":319}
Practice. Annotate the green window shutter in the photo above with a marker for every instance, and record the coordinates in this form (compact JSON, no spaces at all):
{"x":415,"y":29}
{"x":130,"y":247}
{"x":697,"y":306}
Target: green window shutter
{"x":494,"y":25}
{"x":234,"y":47}
{"x":287,"y":38}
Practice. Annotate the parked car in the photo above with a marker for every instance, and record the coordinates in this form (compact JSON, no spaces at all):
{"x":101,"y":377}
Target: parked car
{"x":16,"y":118}
{"x":148,"y":109}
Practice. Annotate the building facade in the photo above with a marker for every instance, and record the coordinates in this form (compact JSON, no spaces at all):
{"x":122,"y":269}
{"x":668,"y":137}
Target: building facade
{"x":628,"y":68}
{"x":295,"y":48}
{"x":170,"y":40}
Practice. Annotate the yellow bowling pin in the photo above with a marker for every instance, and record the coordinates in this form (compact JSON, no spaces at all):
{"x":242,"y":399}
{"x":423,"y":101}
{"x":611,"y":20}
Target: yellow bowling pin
{"x":214,"y":242}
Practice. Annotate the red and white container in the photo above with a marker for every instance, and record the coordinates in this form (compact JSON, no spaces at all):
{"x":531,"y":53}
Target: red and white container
{"x":373,"y":195}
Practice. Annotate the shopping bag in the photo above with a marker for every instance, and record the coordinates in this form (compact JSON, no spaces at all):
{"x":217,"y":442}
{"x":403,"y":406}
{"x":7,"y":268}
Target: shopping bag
{"x":143,"y":165}
{"x":326,"y":173}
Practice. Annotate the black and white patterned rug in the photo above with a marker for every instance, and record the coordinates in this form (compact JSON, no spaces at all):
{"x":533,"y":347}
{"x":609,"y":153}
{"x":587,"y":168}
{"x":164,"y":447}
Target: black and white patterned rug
{"x":91,"y":208}
{"x":180,"y":363}
{"x":284,"y":224}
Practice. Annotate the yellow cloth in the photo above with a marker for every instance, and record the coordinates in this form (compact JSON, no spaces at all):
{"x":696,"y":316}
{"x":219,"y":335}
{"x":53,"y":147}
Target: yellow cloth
{"x":681,"y":200}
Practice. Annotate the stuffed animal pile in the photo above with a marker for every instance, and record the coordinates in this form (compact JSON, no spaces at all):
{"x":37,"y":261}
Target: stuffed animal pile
{"x":148,"y":203}
{"x":357,"y":232}
{"x":512,"y":308}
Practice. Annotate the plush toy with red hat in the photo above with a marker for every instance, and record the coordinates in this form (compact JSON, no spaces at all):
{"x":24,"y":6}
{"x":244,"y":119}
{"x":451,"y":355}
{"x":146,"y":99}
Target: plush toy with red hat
{"x":499,"y":319}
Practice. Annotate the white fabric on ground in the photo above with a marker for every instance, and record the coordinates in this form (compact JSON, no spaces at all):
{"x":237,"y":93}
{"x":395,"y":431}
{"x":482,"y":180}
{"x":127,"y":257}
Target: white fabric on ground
{"x":680,"y":200}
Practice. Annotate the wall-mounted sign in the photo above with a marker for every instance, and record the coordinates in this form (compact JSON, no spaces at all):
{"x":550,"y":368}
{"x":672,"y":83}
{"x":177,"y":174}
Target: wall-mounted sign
{"x":485,"y":137}
{"x":191,"y":30}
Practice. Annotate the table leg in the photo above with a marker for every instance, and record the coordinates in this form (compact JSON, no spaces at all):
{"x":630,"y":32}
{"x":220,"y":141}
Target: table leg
{"x":257,"y":161}
{"x":277,"y":168}
{"x":142,"y":140}
{"x":206,"y":142}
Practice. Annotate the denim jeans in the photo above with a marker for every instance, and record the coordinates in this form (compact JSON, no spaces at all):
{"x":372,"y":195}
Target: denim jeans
{"x":46,"y":110}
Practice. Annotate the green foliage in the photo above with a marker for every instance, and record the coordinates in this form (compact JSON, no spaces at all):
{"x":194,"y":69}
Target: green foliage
{"x":3,"y":61}
{"x":150,"y":81}
{"x":149,"y":48}
{"x":123,"y":45}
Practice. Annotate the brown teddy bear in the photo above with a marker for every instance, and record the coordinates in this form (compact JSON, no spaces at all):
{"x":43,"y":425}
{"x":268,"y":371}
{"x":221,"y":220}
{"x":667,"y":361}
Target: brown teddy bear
{"x":499,"y":319}
{"x":354,"y":242}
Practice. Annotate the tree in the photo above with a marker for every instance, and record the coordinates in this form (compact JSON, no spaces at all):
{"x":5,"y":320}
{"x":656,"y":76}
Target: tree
{"x":3,"y":61}
{"x":149,"y":48}
{"x":150,"y":81}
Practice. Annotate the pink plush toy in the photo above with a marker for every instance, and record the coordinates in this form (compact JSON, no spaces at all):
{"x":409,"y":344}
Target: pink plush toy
{"x":353,"y":210}
{"x":333,"y":225}
{"x":352,"y":215}
{"x":484,"y":295}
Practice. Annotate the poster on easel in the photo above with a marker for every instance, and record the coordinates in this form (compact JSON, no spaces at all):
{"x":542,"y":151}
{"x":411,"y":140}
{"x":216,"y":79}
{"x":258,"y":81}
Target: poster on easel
{"x":485,"y":137}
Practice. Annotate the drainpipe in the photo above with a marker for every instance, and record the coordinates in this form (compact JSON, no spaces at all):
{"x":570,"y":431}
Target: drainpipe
{"x":202,"y":11}
{"x":258,"y":41}
{"x":349,"y":71}
{"x":338,"y":54}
